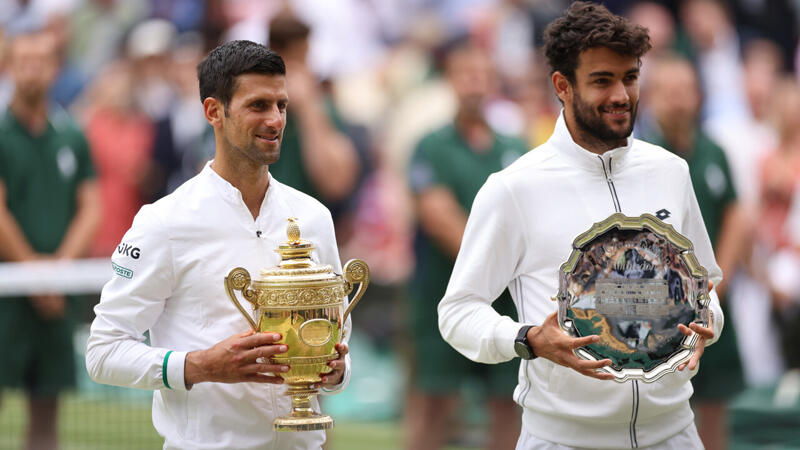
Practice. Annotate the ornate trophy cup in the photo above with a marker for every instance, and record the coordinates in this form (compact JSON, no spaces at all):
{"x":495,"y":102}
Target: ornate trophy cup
{"x":304,"y":302}
{"x":632,"y":280}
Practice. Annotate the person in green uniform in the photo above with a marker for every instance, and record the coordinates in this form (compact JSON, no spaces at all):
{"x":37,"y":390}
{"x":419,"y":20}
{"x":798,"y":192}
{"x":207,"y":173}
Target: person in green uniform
{"x":317,"y":158}
{"x":49,"y":209}
{"x":447,"y":169}
{"x":673,"y":100}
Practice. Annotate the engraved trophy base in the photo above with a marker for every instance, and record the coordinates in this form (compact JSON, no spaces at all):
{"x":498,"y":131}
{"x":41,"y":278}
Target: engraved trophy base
{"x":310,"y":423}
{"x":302,"y":417}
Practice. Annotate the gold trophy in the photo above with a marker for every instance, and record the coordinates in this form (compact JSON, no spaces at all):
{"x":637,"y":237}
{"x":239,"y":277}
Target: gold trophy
{"x":304,"y":302}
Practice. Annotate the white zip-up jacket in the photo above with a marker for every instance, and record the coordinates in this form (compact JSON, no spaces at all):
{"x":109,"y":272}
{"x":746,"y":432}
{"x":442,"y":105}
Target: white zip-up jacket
{"x":519,"y":232}
{"x":169,"y":272}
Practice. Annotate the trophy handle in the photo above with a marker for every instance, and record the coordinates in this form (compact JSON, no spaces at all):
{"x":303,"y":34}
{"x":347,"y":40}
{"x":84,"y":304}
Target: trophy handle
{"x":355,"y":271}
{"x":239,"y":280}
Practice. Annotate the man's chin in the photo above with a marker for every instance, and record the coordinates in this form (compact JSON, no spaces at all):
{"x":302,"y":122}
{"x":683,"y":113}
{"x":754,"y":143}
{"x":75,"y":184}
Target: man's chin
{"x":271,"y":158}
{"x":620,"y":130}
{"x":32,"y":95}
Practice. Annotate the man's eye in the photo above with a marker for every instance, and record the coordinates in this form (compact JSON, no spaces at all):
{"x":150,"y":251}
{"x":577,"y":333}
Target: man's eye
{"x":601,"y":81}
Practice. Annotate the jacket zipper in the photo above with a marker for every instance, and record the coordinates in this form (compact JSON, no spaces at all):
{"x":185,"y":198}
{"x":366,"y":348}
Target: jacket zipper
{"x":635,"y":383}
{"x":610,"y":182}
{"x":634,"y":413}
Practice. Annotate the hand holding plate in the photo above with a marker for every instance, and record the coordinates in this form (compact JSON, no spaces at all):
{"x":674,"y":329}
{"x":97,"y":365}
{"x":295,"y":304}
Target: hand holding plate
{"x":549,"y":341}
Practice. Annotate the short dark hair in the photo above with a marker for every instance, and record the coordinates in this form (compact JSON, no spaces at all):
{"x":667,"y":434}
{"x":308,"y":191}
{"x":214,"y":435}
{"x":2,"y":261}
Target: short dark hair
{"x":218,"y":71}
{"x":586,"y":25}
{"x":443,"y":53}
{"x":286,"y":29}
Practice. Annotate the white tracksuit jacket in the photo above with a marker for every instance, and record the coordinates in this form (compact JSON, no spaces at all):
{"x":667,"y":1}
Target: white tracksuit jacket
{"x":169,"y":272}
{"x":520,"y":230}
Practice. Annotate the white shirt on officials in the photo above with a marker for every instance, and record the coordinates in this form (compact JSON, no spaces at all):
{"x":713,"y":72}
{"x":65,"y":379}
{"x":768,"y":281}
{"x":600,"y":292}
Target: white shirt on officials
{"x":169,"y":271}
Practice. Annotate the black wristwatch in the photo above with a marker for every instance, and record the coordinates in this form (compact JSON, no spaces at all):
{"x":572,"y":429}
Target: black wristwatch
{"x":521,"y":344}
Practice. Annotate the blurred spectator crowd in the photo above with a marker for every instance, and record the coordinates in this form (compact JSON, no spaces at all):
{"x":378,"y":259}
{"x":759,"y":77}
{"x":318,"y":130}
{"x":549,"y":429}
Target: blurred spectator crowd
{"x":366,"y":83}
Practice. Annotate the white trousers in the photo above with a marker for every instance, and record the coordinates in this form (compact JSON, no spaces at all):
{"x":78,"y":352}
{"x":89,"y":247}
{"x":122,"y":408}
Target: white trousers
{"x":688,"y":439}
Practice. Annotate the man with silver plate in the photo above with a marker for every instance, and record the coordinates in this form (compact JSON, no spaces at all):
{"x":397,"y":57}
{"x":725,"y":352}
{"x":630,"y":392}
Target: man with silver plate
{"x":591,"y":188}
{"x":215,"y":387}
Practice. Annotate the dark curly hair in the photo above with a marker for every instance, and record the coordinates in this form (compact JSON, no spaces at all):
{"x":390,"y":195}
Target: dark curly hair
{"x":217,"y":73}
{"x":587,"y":25}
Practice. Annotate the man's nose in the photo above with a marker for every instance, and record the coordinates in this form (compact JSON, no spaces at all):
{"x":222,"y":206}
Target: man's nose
{"x":274,"y":118}
{"x":619,"y":94}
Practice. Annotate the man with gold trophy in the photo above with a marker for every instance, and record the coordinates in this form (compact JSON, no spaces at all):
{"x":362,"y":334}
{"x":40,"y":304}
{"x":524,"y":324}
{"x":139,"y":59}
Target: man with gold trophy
{"x":218,"y":386}
{"x":599,"y":239}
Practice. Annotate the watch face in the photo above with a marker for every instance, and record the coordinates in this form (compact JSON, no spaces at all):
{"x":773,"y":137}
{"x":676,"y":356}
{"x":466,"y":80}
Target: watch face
{"x":522,"y":350}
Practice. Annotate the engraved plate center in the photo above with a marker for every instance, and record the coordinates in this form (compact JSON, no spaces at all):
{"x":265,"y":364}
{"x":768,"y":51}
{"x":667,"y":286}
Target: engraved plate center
{"x":631,"y":298}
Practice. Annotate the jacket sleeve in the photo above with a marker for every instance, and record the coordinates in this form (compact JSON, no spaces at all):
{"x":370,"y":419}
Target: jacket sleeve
{"x":487,"y":262}
{"x":695,"y":229}
{"x":130,"y":303}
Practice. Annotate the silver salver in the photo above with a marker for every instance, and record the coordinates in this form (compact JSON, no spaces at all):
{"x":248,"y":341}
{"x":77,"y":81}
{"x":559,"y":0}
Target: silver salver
{"x":632,"y":280}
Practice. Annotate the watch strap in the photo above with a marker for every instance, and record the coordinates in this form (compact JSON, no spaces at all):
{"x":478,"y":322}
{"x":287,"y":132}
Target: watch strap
{"x":522,"y":338}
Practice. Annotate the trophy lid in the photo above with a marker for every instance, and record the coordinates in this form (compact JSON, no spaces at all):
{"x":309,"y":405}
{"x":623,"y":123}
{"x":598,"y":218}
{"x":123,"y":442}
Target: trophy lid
{"x":296,"y":264}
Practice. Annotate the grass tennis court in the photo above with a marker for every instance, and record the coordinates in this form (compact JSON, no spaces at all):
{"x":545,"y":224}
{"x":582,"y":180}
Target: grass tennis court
{"x":97,"y":416}
{"x":88,"y":423}
{"x":121,"y":420}
{"x":85,"y":423}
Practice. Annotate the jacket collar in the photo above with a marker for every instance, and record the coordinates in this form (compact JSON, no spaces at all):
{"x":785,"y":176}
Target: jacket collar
{"x":230,"y":193}
{"x":567,"y":147}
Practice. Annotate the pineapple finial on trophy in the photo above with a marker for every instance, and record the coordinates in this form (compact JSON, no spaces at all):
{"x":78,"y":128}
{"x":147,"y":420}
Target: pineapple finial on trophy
{"x":293,"y":231}
{"x":295,"y":252}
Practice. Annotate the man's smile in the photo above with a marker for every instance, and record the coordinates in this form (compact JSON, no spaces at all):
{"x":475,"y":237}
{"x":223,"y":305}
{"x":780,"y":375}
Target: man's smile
{"x":269,"y":137}
{"x":617,"y":112}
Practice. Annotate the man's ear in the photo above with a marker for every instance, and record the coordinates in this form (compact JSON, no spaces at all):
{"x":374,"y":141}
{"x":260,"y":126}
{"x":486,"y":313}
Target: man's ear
{"x":213,"y":110}
{"x":562,"y":86}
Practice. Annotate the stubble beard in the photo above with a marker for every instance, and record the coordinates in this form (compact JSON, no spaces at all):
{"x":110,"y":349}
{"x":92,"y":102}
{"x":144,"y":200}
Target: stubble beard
{"x":254,"y":155}
{"x":592,"y":125}
{"x":31,"y":95}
